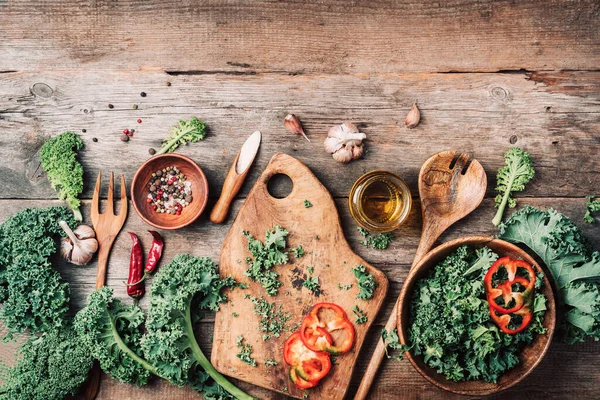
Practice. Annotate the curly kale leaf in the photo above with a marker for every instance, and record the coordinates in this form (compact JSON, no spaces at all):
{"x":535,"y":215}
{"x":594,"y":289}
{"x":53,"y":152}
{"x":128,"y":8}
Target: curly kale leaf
{"x":59,"y":159}
{"x":450,"y":323}
{"x":518,"y":171}
{"x":112,"y":331}
{"x":591,"y":206}
{"x":366,"y":282}
{"x":572,"y":262}
{"x":186,"y":131}
{"x":50,"y":367}
{"x":32,"y":293}
{"x":266,"y":256}
{"x":180,"y":291}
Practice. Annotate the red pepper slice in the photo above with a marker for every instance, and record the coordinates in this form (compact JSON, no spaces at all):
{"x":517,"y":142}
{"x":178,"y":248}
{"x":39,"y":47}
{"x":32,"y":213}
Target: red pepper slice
{"x":505,"y":289}
{"x":308,"y":367}
{"x":321,"y":334}
{"x":503,"y":320}
{"x":299,"y":382}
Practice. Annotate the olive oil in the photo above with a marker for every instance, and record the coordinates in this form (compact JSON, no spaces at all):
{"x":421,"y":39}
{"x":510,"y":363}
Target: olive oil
{"x":380,"y":201}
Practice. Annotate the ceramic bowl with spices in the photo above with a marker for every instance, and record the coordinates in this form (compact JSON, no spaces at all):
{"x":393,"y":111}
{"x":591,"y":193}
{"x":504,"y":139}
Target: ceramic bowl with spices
{"x":169,"y":191}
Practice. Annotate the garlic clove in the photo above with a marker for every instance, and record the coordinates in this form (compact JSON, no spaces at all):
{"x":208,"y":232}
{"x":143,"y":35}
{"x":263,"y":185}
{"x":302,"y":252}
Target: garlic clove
{"x":343,"y":155}
{"x":357,"y":151}
{"x":413,"y":117}
{"x":293,"y":124}
{"x":80,"y":245}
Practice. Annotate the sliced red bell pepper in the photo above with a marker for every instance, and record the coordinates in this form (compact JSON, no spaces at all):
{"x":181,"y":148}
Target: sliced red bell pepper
{"x":317,"y":331}
{"x":503,"y":320}
{"x":307,"y":367}
{"x":299,"y":382}
{"x":505,"y":289}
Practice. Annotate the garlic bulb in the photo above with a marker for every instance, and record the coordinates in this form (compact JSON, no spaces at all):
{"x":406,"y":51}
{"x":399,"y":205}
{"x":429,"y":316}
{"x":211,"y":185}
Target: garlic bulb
{"x":344,"y":142}
{"x":80,"y":245}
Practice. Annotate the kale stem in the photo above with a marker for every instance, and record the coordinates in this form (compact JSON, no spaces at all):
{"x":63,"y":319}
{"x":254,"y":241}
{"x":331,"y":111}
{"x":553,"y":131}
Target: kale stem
{"x":123,"y":347}
{"x":77,"y":214}
{"x":171,"y":143}
{"x":498,"y":217}
{"x":205,"y":363}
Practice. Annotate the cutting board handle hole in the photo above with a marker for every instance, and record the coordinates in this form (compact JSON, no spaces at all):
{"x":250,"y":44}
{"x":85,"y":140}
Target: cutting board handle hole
{"x":280,"y":186}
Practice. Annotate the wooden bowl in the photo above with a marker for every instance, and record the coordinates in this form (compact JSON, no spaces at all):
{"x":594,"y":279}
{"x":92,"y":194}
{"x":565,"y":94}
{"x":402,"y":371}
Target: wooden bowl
{"x":139,"y":191}
{"x":530,"y":356}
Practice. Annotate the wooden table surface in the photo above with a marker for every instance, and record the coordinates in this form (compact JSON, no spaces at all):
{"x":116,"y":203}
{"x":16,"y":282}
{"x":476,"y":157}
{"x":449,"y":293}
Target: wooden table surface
{"x":486,"y":75}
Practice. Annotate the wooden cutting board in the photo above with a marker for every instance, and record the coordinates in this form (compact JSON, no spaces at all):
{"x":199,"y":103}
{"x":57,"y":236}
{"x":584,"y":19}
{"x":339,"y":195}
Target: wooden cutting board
{"x":318,"y":230}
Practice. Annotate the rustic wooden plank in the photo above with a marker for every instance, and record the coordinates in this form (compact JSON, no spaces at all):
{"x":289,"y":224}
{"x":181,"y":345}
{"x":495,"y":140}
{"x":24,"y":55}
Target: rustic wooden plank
{"x":579,"y":363}
{"x":300,"y":37}
{"x":556,"y":116}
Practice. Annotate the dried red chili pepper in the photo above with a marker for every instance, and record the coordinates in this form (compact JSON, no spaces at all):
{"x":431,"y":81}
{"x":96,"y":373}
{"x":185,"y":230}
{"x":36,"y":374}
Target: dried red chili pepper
{"x":154,"y":256}
{"x":135,"y":268}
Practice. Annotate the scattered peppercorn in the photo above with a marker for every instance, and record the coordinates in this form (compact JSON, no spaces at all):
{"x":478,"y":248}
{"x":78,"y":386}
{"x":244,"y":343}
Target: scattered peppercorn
{"x":126,"y":132}
{"x":125,"y":138}
{"x":151,"y":151}
{"x":111,"y":106}
{"x":143,"y":94}
{"x":83,"y":130}
{"x":139,"y":121}
{"x":132,"y":131}
{"x":135,"y":106}
{"x":94,"y":139}
{"x":168,"y":83}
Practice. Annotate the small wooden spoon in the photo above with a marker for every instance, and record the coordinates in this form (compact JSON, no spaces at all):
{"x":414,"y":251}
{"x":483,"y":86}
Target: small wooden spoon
{"x":235,"y":177}
{"x":451,"y":185}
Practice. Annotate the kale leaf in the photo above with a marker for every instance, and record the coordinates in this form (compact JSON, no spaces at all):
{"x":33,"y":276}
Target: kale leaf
{"x":450,"y":323}
{"x":366,"y":282}
{"x":112,"y":331}
{"x":59,"y":159}
{"x":50,"y":367}
{"x":591,"y":206}
{"x":518,"y":171}
{"x":574,"y":265}
{"x":180,"y":292}
{"x":32,"y":293}
{"x":186,"y":131}
{"x":266,"y":256}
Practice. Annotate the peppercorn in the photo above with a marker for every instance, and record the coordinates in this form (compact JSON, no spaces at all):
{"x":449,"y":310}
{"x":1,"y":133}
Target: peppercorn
{"x":151,"y":151}
{"x":111,"y":106}
{"x":168,"y":83}
{"x":83,"y":130}
{"x":126,"y":132}
{"x":143,"y":94}
{"x":139,"y":121}
{"x":124,"y":138}
{"x":135,"y":106}
{"x":94,"y":139}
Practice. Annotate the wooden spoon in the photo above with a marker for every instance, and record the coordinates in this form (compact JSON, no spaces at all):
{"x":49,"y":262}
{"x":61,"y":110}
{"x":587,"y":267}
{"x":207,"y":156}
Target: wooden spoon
{"x":451,"y":185}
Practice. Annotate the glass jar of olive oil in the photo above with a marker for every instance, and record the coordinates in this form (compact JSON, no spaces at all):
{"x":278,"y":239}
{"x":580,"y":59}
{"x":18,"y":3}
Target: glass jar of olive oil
{"x":380,"y":201}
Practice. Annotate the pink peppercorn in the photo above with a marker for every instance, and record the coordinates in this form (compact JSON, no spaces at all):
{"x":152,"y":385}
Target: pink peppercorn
{"x":126,"y":132}
{"x":139,"y":121}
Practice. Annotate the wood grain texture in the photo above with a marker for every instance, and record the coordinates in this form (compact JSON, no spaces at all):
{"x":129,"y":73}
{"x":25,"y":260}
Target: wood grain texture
{"x":317,"y":229}
{"x":300,"y":37}
{"x":579,"y":364}
{"x":555,"y":116}
{"x":451,"y":186}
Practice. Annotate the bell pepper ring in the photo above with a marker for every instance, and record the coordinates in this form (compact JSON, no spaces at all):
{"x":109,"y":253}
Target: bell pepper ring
{"x":504,"y":320}
{"x":505,"y":289}
{"x":317,"y":334}
{"x":299,"y":382}
{"x":308,"y":367}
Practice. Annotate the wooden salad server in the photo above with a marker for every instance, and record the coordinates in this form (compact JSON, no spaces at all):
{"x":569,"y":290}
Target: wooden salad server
{"x":107,"y":226}
{"x":235,"y":178}
{"x":451,"y":185}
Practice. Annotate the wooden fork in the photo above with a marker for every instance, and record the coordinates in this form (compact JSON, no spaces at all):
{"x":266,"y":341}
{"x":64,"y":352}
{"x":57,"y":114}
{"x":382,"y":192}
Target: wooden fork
{"x":107,"y":226}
